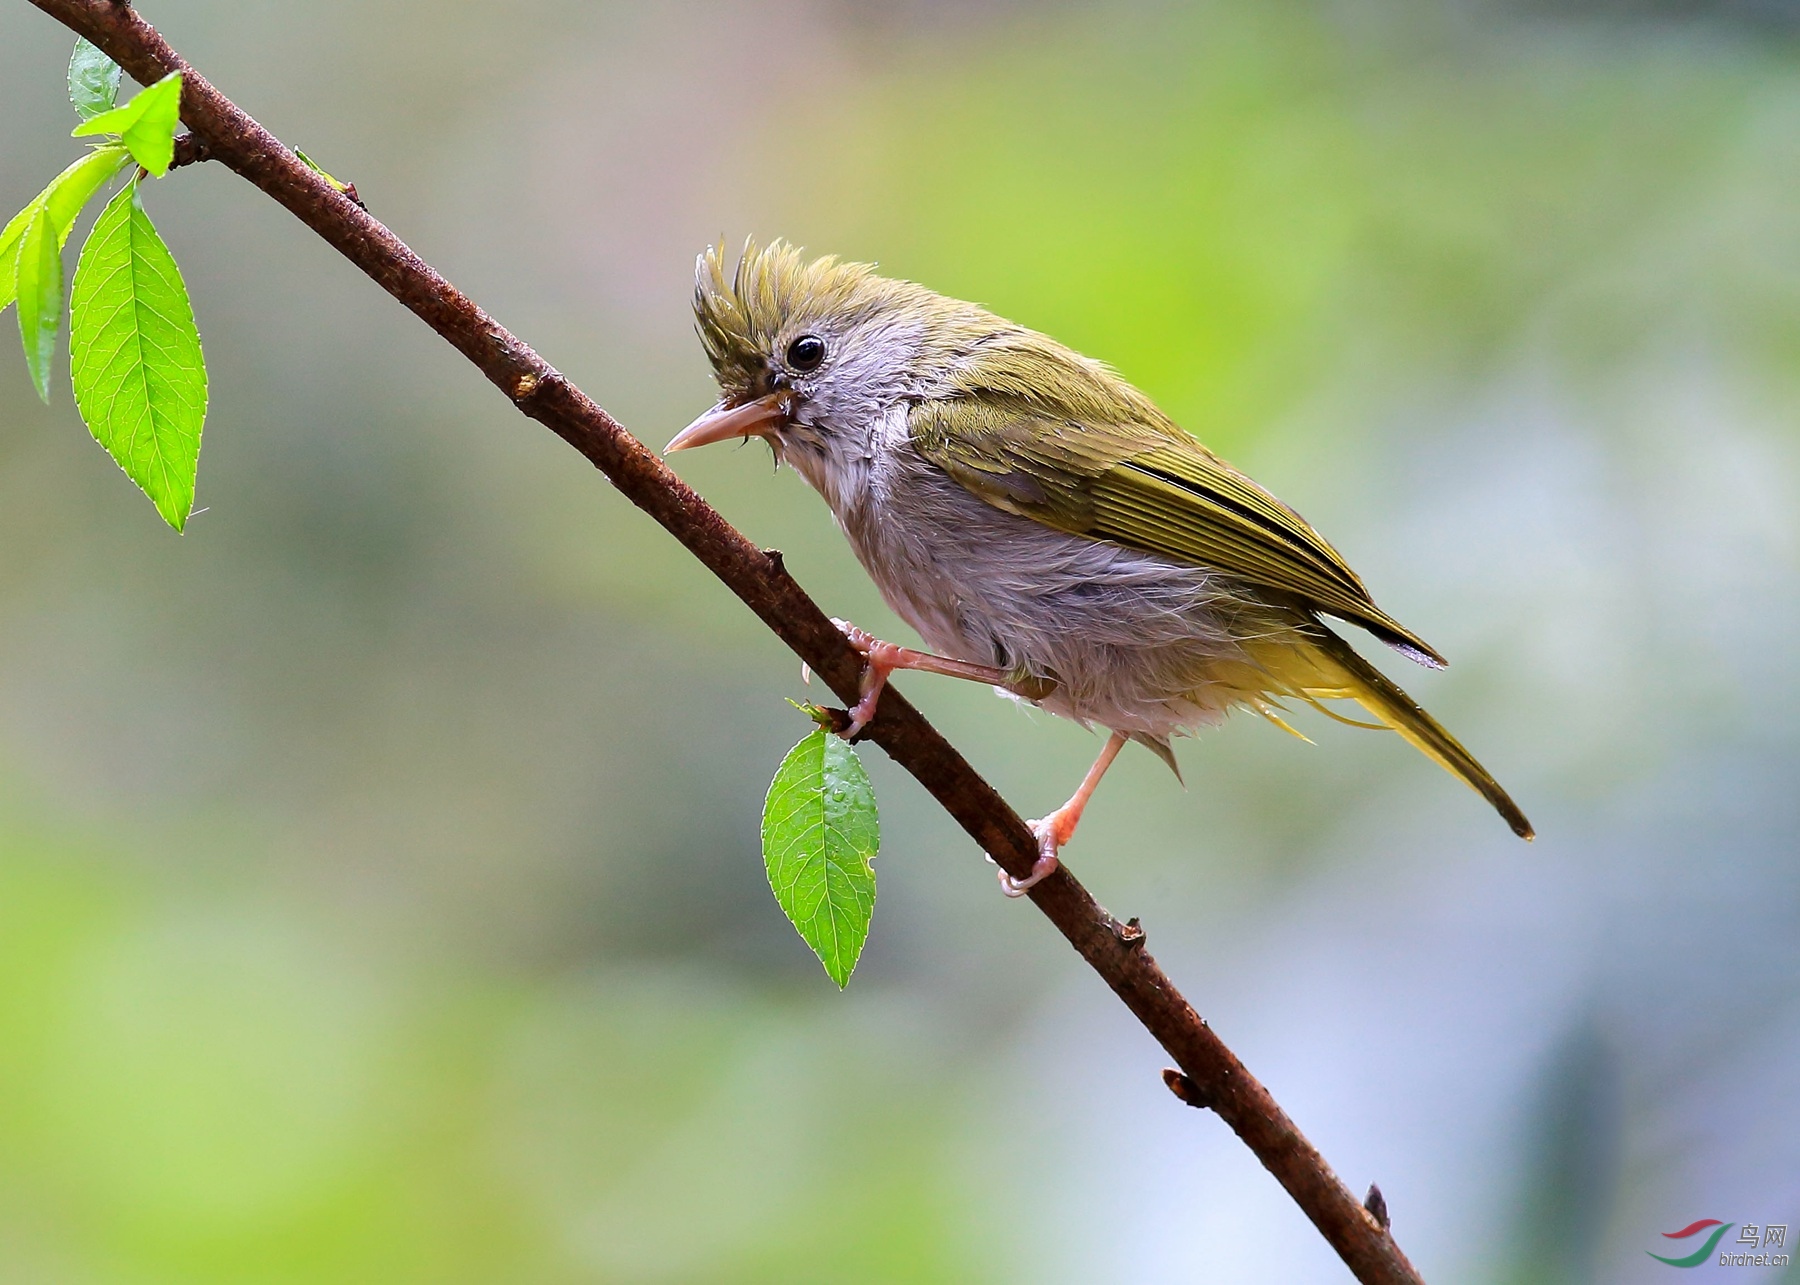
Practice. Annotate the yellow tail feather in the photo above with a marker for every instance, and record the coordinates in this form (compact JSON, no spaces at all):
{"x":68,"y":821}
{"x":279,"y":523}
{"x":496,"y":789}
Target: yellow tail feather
{"x":1329,"y":669}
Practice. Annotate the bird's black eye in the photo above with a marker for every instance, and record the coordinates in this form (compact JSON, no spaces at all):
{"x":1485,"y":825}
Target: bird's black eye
{"x":806,"y":352}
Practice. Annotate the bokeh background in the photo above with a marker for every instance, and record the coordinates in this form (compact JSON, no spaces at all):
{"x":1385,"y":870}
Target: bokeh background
{"x":380,"y":896}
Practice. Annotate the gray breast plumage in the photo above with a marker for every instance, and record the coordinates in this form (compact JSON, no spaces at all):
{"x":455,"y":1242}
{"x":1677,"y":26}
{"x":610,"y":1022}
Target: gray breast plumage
{"x":1135,"y":642}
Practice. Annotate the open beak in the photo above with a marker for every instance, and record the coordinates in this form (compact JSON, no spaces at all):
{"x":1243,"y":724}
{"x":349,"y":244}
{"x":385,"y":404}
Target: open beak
{"x":762,"y":417}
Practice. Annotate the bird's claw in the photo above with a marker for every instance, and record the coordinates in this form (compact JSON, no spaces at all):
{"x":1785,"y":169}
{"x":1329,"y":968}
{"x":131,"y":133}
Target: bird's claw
{"x":859,"y":638}
{"x":878,"y":662}
{"x":1050,"y":839}
{"x":861,"y":713}
{"x":1040,"y":869}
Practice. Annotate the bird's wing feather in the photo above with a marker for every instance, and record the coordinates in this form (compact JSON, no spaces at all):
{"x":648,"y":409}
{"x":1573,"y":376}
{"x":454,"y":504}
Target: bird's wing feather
{"x":1146,"y":484}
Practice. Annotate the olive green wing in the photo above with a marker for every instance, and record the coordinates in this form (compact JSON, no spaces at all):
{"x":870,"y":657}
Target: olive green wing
{"x":1149,"y":486}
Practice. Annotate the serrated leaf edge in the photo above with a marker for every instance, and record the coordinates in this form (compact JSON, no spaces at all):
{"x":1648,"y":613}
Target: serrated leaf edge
{"x":65,"y":181}
{"x":77,"y":90}
{"x":830,"y":822}
{"x":129,"y":201}
{"x":155,"y":150}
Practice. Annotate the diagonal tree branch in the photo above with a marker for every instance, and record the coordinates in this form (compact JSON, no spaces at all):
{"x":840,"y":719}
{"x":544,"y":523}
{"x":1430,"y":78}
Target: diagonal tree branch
{"x":1211,"y":1075}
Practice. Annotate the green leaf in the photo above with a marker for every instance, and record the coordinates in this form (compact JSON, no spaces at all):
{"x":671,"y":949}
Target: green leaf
{"x":820,"y":832}
{"x":65,"y":196}
{"x":146,"y":124}
{"x":40,"y":286}
{"x":134,"y":355}
{"x":93,"y":80}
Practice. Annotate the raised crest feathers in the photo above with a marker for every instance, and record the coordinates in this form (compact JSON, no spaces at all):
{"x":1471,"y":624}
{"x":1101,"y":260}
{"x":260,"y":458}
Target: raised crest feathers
{"x":774,"y":290}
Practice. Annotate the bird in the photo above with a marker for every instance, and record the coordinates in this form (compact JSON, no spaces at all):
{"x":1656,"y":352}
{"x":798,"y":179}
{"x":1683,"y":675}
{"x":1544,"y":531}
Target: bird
{"x":1040,"y":523}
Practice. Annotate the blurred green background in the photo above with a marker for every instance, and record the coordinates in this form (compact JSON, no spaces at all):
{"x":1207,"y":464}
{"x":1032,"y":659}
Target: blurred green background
{"x":380,"y":896}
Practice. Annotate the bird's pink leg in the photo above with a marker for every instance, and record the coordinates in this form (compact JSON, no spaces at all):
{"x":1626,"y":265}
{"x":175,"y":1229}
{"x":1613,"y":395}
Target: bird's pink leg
{"x":1059,"y":827}
{"x":882,"y":658}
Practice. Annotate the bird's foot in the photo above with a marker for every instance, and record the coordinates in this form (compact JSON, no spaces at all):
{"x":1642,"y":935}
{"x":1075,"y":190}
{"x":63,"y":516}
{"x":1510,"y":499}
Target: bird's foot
{"x":1052,"y":832}
{"x":879,"y":660}
{"x":882,"y":658}
{"x":1059,"y":827}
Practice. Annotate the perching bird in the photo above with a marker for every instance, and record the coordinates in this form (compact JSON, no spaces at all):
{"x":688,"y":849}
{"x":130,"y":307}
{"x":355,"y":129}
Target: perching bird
{"x":1041,"y":524}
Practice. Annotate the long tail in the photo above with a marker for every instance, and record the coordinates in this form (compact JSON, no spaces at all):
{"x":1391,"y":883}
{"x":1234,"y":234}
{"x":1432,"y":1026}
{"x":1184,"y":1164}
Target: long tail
{"x":1330,"y":669}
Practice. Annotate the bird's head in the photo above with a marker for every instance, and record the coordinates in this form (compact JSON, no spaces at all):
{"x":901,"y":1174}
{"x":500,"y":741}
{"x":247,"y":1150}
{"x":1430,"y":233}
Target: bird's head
{"x":810,"y":355}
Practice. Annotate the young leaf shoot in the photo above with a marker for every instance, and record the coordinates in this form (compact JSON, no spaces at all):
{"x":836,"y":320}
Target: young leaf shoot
{"x":134,"y":355}
{"x":63,"y":199}
{"x":93,"y":80}
{"x":146,"y":124}
{"x":321,"y":171}
{"x":39,"y":280}
{"x":820,"y":832}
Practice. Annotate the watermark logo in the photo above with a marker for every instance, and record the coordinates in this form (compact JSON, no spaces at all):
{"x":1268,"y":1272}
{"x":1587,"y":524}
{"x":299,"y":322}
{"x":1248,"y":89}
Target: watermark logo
{"x":1758,"y":1239}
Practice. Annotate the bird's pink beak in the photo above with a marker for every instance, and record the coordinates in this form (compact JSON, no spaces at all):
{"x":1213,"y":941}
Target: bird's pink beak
{"x":762,"y":417}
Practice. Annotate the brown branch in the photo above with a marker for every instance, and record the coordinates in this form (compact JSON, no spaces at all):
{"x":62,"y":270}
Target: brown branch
{"x":1210,"y":1075}
{"x":190,"y":149}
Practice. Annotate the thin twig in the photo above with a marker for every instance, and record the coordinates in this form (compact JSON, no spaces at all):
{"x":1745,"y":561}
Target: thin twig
{"x":1211,"y":1073}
